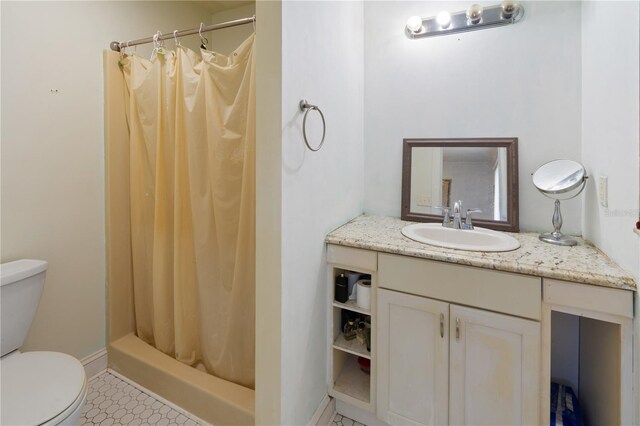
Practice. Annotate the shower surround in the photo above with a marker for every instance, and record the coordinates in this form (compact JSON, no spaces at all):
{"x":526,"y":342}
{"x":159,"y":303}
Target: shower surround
{"x":180,"y":213}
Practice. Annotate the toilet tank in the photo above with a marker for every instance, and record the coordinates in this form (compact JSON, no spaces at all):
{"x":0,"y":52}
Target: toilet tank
{"x":21,"y":284}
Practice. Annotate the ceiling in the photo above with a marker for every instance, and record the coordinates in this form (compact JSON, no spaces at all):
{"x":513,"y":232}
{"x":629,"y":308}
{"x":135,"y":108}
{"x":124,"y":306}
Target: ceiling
{"x":215,"y":6}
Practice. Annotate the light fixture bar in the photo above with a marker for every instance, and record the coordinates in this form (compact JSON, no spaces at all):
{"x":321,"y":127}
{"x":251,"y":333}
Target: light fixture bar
{"x":492,"y":16}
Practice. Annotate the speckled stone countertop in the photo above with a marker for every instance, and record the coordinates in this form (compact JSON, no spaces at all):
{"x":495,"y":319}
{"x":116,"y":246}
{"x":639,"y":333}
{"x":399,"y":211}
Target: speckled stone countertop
{"x":583,"y":263}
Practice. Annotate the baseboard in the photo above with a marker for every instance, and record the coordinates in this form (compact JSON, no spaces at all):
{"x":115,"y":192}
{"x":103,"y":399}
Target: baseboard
{"x":358,"y":414}
{"x":96,"y":363}
{"x":325,"y":412}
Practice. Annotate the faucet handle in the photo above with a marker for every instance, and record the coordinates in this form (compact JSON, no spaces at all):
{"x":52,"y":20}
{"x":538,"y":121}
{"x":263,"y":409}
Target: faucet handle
{"x":445,"y":211}
{"x":467,"y":221}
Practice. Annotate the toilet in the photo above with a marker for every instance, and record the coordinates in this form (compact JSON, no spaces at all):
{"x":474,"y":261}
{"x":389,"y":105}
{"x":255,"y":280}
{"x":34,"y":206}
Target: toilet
{"x":38,"y":388}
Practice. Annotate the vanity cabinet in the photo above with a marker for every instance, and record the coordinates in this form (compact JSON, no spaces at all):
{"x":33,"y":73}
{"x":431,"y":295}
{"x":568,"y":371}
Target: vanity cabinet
{"x":413,"y":359}
{"x":456,"y":341}
{"x":440,"y":363}
{"x":494,"y":368}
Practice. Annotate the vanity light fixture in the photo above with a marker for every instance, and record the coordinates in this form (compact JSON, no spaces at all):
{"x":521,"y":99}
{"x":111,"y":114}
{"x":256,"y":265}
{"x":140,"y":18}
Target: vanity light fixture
{"x":474,"y":14}
{"x":444,"y":19}
{"x":475,"y":17}
{"x":414,"y":24}
{"x":508,"y":8}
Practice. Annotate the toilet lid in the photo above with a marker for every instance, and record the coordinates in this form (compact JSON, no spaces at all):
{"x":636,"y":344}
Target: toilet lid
{"x":38,"y":386}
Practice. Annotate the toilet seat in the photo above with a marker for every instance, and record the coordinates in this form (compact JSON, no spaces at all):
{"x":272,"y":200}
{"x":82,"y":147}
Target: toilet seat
{"x":41,"y":388}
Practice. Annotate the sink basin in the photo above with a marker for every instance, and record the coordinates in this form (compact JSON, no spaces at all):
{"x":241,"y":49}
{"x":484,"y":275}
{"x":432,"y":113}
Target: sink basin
{"x":477,"y":239}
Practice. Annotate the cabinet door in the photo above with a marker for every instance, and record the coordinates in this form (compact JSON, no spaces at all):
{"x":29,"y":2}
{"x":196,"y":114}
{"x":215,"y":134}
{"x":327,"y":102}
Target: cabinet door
{"x":495,"y":369}
{"x":413,"y":359}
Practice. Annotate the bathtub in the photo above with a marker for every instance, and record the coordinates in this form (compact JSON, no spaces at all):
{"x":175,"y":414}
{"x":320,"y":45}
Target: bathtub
{"x":214,"y":400}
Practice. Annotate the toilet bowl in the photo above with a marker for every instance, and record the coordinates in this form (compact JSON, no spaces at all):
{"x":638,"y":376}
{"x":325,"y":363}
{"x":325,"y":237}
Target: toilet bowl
{"x":38,"y":388}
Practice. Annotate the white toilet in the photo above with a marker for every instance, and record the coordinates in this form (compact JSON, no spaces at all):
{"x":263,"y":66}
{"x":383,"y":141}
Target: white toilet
{"x":38,"y":388}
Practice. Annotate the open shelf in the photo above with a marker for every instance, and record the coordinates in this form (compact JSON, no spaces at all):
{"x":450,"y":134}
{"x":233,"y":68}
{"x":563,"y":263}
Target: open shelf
{"x":351,"y":346}
{"x":350,"y":305}
{"x":348,"y":383}
{"x":586,"y":354}
{"x":352,"y":381}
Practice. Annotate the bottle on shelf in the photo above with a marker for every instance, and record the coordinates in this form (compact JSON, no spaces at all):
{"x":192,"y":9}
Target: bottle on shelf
{"x":341,"y":289}
{"x":350,"y":330}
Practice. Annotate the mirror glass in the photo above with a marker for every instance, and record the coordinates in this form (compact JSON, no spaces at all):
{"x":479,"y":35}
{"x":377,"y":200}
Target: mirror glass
{"x":477,"y":176}
{"x":477,"y":172}
{"x":559,"y":176}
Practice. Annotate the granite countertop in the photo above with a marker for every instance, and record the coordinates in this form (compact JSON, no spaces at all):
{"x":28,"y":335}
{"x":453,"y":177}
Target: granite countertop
{"x":583,"y":263}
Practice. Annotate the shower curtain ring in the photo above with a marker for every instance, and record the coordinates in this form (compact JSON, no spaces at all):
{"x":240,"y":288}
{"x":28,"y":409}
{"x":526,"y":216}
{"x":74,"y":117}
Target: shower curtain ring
{"x":203,"y":40}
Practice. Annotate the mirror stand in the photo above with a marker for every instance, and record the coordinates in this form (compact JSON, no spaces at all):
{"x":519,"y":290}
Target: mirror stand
{"x":556,"y":237}
{"x":559,"y":180}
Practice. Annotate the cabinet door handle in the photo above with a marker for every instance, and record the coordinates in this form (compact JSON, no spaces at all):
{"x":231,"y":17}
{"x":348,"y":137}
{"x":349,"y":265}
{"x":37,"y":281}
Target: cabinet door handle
{"x":442,"y":325}
{"x":457,"y":328}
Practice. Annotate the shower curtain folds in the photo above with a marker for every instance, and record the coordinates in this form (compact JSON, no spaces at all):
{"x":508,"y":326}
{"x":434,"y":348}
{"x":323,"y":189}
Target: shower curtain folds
{"x":191,"y":124}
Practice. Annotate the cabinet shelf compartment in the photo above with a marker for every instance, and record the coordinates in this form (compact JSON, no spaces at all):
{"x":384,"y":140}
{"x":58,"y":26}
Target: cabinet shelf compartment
{"x":586,"y":354}
{"x":350,"y":381}
{"x":350,"y":305}
{"x":347,"y":382}
{"x":339,"y":342}
{"x":351,"y":346}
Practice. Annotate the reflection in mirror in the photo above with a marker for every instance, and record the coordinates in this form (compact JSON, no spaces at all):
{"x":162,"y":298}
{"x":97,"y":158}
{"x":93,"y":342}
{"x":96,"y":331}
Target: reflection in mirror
{"x":475,"y":175}
{"x":482,"y":173}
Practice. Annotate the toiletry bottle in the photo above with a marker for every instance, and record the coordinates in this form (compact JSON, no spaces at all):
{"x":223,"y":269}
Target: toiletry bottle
{"x":350,"y":329}
{"x":341,"y":289}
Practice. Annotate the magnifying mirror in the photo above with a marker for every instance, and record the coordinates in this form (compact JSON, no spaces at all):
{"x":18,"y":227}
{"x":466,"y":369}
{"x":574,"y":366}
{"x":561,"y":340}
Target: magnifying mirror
{"x":560,"y":180}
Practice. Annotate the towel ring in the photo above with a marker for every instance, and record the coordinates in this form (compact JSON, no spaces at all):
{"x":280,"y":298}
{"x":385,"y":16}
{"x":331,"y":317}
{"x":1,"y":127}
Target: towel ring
{"x":306,"y":107}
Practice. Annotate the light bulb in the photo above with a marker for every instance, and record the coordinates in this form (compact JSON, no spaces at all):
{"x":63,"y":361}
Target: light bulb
{"x":443,"y":19}
{"x":415,"y":24}
{"x":474,"y":13}
{"x":509,"y":7}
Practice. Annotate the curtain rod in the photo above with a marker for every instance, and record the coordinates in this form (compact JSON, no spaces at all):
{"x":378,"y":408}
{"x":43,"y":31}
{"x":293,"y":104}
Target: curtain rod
{"x":115,"y":45}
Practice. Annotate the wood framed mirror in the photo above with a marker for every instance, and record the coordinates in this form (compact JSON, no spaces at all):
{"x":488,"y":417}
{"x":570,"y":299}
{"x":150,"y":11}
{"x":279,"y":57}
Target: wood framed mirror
{"x":481,"y":172}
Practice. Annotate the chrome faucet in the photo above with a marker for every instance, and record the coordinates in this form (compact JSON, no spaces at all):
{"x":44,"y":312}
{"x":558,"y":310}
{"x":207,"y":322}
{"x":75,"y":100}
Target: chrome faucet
{"x":455,"y":222}
{"x":457,"y":218}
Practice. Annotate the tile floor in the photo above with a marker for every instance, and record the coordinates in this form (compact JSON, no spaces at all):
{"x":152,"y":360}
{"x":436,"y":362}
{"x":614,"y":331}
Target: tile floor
{"x":340,"y":420}
{"x":112,"y":401}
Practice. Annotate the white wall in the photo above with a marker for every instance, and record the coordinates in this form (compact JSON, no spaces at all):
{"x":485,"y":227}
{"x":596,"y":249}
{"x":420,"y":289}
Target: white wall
{"x":522,"y":80}
{"x":227,"y":39}
{"x":610,"y":138}
{"x":322,"y":61}
{"x":52,"y":166}
{"x":610,"y":93}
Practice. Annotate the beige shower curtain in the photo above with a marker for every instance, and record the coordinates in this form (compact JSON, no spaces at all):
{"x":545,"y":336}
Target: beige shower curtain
{"x":192,"y":189}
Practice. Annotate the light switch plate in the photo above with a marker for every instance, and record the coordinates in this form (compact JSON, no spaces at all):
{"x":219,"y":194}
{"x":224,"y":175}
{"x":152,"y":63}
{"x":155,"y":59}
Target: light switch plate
{"x":603,"y":191}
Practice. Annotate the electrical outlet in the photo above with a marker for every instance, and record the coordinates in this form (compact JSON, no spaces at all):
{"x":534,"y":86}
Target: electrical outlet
{"x":424,"y":201}
{"x":603,"y":191}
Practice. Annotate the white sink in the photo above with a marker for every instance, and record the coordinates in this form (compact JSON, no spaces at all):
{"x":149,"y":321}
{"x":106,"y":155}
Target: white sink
{"x":477,"y":239}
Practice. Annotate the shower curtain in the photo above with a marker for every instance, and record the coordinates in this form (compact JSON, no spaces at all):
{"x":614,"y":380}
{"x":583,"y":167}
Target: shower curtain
{"x":191,"y":123}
